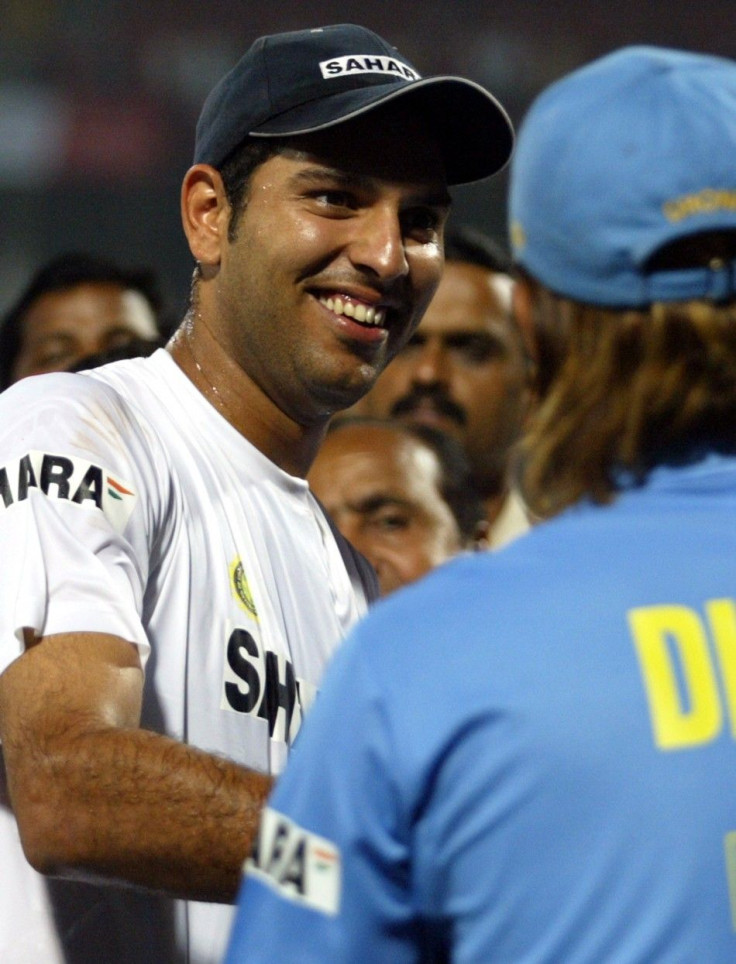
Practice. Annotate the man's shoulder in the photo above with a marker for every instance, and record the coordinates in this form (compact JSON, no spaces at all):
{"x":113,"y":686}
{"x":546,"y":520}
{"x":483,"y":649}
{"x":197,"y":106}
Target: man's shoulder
{"x":75,"y":413}
{"x":66,"y":390}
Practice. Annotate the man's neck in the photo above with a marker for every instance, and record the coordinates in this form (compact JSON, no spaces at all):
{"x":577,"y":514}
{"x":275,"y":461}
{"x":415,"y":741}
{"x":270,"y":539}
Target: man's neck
{"x":494,"y":504}
{"x":229,"y":389}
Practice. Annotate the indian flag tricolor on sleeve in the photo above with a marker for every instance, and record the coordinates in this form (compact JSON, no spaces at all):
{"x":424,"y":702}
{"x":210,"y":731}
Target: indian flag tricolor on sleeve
{"x":116,"y":490}
{"x":67,"y":478}
{"x":119,"y":501}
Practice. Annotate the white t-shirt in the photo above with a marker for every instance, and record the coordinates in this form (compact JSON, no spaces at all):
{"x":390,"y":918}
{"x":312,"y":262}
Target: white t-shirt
{"x":130,"y":506}
{"x":511,"y":521}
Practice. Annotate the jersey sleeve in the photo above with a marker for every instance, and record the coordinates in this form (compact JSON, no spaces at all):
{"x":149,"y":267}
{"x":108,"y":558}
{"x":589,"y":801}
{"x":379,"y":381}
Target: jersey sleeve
{"x":329,"y":876}
{"x":72,"y":513}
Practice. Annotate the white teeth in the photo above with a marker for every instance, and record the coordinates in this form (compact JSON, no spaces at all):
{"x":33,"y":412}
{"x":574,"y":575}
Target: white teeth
{"x":367,"y":316}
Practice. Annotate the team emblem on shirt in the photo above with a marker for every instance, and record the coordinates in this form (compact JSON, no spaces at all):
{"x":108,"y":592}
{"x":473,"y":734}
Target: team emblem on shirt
{"x":69,"y":479}
{"x":298,"y":865}
{"x":241,"y":589}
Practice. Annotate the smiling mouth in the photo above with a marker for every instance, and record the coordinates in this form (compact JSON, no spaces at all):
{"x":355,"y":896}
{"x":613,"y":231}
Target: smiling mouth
{"x":356,"y":310}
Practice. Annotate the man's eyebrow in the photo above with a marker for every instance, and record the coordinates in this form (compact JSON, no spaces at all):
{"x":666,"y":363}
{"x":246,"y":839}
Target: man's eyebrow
{"x":51,"y":337}
{"x":373,"y":503}
{"x":469,"y":337}
{"x":315,"y":176}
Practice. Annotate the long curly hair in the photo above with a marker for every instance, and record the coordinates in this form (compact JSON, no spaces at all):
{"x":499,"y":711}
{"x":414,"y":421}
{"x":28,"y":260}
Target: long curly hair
{"x":622,"y":392}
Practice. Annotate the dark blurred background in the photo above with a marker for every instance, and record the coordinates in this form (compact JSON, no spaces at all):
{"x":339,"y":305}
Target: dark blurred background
{"x":99,"y":99}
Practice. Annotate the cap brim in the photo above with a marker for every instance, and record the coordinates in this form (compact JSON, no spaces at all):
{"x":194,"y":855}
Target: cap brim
{"x":474,"y":131}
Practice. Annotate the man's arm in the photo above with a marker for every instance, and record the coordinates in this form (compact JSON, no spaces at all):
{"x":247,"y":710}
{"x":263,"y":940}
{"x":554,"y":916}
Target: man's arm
{"x":330,"y":877}
{"x":97,"y":797}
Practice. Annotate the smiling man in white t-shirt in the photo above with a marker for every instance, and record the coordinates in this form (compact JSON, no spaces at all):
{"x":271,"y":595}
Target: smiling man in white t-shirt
{"x":170,"y":590}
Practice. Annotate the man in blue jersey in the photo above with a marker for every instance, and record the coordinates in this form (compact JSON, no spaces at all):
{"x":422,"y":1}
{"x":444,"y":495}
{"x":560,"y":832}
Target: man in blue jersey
{"x":530,"y":755}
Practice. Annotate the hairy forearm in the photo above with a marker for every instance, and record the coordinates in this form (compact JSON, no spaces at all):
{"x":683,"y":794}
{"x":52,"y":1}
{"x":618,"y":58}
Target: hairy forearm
{"x":4,"y":796}
{"x":97,"y":797}
{"x":138,"y":807}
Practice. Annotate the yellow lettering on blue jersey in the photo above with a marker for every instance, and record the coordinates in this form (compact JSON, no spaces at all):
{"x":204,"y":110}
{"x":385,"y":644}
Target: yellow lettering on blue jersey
{"x":722,"y":619}
{"x":668,"y":638}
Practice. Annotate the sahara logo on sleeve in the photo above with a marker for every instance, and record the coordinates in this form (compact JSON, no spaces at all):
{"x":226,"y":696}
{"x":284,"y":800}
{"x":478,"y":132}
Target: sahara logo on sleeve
{"x":70,"y":479}
{"x":298,"y":865}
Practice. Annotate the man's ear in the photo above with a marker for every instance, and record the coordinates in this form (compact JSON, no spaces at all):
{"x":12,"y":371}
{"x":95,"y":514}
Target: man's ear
{"x":205,"y":213}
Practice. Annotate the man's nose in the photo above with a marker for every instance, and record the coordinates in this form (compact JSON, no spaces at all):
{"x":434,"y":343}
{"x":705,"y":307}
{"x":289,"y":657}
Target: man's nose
{"x":379,"y":243}
{"x":431,"y":367}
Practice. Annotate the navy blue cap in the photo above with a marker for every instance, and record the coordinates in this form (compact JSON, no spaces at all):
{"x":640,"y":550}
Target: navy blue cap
{"x":307,"y":80}
{"x":618,"y":159}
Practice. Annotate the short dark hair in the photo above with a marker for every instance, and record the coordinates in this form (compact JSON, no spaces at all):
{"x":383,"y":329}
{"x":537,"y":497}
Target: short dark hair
{"x":471,"y":246}
{"x":237,"y":170}
{"x":456,"y":485}
{"x":60,"y":274}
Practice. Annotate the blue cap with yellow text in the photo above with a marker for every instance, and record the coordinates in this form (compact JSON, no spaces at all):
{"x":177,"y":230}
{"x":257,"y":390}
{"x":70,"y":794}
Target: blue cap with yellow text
{"x":618,"y":159}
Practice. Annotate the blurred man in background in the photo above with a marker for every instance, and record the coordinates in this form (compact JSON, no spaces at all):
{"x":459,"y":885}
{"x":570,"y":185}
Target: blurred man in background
{"x":400,"y":493}
{"x":74,"y":306}
{"x":467,"y":370}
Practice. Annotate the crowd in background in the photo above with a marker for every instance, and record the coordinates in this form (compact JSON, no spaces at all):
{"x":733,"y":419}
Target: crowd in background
{"x":98,"y":100}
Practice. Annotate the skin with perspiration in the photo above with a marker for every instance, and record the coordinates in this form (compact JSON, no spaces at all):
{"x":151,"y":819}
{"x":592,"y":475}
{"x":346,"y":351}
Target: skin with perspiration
{"x":95,"y":795}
